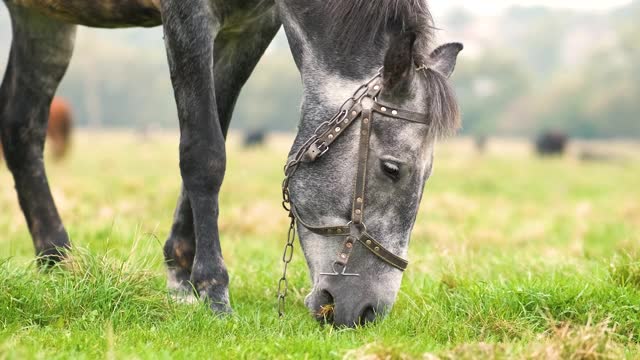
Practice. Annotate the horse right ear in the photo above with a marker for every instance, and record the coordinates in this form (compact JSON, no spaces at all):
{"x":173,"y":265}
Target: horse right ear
{"x":443,"y":59}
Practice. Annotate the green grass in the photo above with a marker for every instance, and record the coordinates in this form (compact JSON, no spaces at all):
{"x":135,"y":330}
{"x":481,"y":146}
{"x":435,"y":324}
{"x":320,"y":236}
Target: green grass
{"x":511,"y":257}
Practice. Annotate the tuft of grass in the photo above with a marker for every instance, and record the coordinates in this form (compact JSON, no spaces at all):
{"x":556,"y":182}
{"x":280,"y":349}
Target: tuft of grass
{"x":625,"y":270}
{"x":589,"y":342}
{"x":82,"y":290}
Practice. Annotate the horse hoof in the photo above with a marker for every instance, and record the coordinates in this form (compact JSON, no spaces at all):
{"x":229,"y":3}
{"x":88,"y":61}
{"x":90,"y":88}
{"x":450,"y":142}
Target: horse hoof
{"x":221,"y":308}
{"x":48,"y":258}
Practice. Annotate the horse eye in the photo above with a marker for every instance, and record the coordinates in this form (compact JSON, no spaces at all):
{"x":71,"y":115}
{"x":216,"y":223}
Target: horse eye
{"x":391,"y":169}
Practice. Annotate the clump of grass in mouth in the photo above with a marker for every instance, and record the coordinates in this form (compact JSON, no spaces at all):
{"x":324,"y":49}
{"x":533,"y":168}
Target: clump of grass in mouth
{"x":326,"y":311}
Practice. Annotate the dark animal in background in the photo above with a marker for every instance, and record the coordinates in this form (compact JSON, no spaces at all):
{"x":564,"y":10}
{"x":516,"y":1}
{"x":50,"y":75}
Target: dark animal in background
{"x":591,"y":154}
{"x":480,"y":142}
{"x":552,"y":143}
{"x":255,"y":138}
{"x":59,"y":129}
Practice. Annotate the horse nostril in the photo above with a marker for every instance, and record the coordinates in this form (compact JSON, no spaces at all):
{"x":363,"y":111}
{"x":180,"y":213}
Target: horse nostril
{"x":327,"y":307}
{"x":368,"y":315}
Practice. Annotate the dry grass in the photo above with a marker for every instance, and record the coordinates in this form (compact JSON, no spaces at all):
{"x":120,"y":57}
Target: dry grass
{"x":561,"y":342}
{"x":570,"y":342}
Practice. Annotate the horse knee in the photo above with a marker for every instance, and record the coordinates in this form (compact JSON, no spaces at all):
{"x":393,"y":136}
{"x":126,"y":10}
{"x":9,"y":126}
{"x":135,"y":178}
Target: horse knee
{"x":202,"y":169}
{"x":22,"y":142}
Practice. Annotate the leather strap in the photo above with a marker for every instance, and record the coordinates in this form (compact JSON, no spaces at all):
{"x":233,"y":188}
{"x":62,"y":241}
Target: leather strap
{"x":357,"y":211}
{"x":381,"y":252}
{"x":401,"y":114}
{"x":365,"y":239}
{"x":339,"y":127}
{"x":345,"y":252}
{"x":323,"y":230}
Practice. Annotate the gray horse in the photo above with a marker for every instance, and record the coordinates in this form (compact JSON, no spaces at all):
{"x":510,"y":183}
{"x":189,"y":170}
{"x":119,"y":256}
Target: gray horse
{"x":212,"y":48}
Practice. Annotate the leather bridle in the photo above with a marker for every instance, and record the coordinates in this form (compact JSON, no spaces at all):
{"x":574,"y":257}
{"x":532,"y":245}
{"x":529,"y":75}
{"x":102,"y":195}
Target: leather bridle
{"x":362,"y":105}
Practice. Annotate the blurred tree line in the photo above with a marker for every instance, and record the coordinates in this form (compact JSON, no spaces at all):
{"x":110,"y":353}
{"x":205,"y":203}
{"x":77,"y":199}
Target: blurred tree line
{"x":574,"y":72}
{"x":528,"y":69}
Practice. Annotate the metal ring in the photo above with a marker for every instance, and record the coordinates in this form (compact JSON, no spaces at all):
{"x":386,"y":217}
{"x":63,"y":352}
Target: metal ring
{"x":363,"y":225}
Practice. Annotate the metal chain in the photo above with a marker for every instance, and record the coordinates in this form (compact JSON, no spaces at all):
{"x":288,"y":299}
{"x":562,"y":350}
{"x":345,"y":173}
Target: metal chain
{"x":287,"y":256}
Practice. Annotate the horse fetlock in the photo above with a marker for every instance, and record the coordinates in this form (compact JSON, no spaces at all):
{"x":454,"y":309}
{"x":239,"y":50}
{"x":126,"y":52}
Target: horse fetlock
{"x":179,"y":253}
{"x":178,"y":280}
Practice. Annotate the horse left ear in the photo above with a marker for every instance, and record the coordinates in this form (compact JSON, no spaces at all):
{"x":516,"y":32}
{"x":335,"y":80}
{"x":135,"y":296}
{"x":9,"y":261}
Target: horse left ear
{"x":443,"y":59}
{"x":398,"y":62}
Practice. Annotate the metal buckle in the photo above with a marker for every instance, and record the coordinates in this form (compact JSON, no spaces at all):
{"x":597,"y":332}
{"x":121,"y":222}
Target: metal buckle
{"x":341,"y":273}
{"x":315,"y":151}
{"x":323,"y":148}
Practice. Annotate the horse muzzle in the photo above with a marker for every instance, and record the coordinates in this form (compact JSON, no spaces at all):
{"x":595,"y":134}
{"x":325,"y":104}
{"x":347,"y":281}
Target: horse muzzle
{"x":348,"y":301}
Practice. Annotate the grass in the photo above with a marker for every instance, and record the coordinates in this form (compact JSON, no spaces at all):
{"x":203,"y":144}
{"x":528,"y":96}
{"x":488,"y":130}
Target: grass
{"x":512,"y":257}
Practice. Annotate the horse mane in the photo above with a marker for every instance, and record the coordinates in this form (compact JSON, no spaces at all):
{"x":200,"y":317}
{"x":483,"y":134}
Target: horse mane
{"x":360,"y":22}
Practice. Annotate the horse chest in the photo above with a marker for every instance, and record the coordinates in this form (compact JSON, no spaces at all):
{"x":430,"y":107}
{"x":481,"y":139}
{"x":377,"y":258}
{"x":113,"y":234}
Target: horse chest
{"x":104,"y":13}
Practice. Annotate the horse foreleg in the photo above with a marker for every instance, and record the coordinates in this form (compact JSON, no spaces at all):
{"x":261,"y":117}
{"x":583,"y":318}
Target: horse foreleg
{"x":40,"y":52}
{"x":190,"y":28}
{"x":236,"y":55}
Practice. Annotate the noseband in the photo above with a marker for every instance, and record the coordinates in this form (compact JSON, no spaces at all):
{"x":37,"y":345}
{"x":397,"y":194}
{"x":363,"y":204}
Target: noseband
{"x":362,"y":105}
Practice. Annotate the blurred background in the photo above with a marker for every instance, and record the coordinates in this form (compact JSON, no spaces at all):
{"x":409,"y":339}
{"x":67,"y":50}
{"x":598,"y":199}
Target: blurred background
{"x":528,"y":66}
{"x":509,"y":250}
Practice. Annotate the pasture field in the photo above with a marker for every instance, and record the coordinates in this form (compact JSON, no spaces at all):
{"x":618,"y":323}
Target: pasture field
{"x":512,"y":256}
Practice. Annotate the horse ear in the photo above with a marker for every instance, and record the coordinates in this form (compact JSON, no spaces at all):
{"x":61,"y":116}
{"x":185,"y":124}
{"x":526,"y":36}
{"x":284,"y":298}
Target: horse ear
{"x":398,"y":62}
{"x":443,"y":59}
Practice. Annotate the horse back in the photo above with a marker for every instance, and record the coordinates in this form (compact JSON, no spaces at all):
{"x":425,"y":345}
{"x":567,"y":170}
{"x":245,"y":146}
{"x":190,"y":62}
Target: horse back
{"x":102,"y":13}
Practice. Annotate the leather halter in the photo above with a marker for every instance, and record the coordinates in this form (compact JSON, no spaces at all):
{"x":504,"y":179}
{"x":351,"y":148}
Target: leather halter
{"x":361,"y":106}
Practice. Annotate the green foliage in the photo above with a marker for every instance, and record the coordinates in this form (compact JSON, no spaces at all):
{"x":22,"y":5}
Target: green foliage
{"x":570,"y":71}
{"x":527,"y":70}
{"x":486,"y":87}
{"x":600,"y":100}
